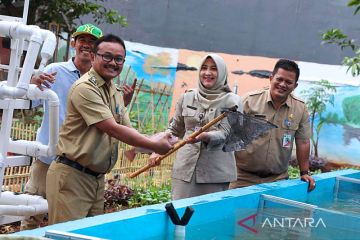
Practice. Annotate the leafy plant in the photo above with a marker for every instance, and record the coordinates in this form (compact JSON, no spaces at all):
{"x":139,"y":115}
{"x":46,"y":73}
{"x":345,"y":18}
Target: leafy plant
{"x":116,"y":195}
{"x":337,"y":37}
{"x":294,"y":172}
{"x":66,"y":13}
{"x":151,"y":195}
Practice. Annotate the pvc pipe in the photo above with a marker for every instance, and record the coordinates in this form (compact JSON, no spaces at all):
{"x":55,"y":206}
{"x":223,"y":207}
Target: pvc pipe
{"x":30,"y":59}
{"x":22,"y":204}
{"x":180,"y":232}
{"x":21,"y":210}
{"x":25,"y":76}
{"x":53,"y":101}
{"x":14,"y":63}
{"x":48,"y":48}
{"x":36,"y":36}
{"x":32,"y":148}
{"x":29,"y":148}
{"x":9,"y":198}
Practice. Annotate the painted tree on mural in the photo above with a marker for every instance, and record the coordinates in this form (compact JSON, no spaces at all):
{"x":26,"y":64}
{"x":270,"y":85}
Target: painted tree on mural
{"x":316,"y":98}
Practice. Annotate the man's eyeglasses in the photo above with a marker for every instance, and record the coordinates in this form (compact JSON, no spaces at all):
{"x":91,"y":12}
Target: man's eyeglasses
{"x":108,"y":58}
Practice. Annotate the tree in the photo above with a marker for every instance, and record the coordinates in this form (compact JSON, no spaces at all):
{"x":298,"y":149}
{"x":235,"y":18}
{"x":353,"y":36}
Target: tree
{"x":66,"y":13}
{"x":316,"y":99}
{"x":337,"y":37}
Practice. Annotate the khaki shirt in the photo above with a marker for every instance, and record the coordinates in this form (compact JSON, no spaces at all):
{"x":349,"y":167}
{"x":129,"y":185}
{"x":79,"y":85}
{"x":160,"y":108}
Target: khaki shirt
{"x":90,"y":101}
{"x":271,"y":152}
{"x":208,"y":164}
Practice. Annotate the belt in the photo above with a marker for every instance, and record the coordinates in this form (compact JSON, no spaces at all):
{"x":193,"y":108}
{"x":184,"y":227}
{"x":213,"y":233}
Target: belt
{"x":78,"y":166}
{"x":260,"y":174}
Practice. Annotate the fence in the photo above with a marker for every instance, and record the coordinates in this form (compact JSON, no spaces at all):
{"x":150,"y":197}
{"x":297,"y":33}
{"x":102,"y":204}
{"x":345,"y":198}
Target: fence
{"x":16,"y":177}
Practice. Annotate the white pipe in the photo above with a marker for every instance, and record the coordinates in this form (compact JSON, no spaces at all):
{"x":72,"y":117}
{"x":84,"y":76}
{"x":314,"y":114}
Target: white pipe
{"x":48,"y":47}
{"x":29,"y":148}
{"x":32,"y":148}
{"x":9,"y":198}
{"x":21,"y":210}
{"x":29,"y":63}
{"x":14,"y":63}
{"x":53,"y":102}
{"x":22,"y":204}
{"x":36,"y":37}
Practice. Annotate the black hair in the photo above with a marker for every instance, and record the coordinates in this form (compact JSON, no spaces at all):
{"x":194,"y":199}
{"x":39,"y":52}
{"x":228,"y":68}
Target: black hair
{"x":108,"y":38}
{"x":287,"y":65}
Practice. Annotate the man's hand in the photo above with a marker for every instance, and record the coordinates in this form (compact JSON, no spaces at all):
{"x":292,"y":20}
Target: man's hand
{"x":128,"y":92}
{"x":310,"y":180}
{"x":44,"y":79}
{"x":164,"y":144}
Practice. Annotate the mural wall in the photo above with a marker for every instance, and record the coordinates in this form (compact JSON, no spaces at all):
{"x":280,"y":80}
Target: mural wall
{"x":176,"y":71}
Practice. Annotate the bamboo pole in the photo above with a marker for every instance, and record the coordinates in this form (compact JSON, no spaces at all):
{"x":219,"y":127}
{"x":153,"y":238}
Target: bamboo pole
{"x":179,"y":145}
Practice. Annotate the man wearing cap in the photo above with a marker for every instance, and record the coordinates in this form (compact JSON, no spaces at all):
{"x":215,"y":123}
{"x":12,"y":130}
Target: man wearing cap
{"x":66,"y":73}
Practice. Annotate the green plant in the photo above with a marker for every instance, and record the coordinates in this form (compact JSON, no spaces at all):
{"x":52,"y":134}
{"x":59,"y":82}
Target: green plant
{"x":151,"y":195}
{"x":337,"y":37}
{"x":67,"y":12}
{"x":294,"y":172}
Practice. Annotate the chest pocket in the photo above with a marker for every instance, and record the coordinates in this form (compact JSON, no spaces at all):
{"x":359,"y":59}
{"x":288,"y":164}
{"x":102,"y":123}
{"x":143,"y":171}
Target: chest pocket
{"x":188,"y":112}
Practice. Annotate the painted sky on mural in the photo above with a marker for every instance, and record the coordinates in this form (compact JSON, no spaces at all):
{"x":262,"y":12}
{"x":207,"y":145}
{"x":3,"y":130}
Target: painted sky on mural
{"x":152,"y":63}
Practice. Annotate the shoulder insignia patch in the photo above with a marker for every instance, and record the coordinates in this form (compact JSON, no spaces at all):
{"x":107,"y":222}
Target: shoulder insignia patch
{"x":92,"y":79}
{"x":257,"y":92}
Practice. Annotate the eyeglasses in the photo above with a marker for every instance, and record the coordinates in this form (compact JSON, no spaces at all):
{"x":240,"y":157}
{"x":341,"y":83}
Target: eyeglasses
{"x":108,"y":58}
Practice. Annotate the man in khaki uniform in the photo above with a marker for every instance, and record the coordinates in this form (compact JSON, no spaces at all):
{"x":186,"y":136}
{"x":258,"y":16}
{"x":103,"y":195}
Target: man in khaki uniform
{"x":88,"y":140}
{"x":266,"y":159}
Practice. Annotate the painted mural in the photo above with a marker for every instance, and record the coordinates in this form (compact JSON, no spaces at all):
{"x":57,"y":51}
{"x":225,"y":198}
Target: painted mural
{"x":155,"y":70}
{"x":339,"y":138}
{"x":176,"y":71}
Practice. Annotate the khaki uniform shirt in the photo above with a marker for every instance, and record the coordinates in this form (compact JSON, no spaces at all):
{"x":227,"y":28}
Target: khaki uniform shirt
{"x":271,"y":152}
{"x":90,"y":101}
{"x":208,"y":162}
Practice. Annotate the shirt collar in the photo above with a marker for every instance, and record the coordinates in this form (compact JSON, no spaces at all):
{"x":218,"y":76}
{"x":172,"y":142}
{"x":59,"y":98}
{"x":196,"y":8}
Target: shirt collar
{"x":288,"y":101}
{"x":69,"y":65}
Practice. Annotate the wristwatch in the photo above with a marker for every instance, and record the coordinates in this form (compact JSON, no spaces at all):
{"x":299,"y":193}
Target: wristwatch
{"x":304,"y":172}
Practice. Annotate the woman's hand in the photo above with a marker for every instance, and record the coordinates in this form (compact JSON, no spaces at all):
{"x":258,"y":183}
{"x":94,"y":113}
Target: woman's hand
{"x":202,"y":137}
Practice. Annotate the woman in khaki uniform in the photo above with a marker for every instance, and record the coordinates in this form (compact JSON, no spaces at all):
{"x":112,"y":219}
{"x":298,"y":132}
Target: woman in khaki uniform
{"x":201,"y":167}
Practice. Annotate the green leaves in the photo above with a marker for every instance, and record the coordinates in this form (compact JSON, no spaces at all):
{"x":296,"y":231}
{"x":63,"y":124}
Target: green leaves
{"x":356,"y":4}
{"x":151,"y":195}
{"x":67,"y":13}
{"x":335,"y":36}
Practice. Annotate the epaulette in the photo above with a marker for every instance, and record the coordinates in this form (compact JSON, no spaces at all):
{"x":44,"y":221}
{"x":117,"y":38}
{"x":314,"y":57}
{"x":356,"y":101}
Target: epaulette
{"x":296,"y":98}
{"x":257,"y":92}
{"x":92,"y":79}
